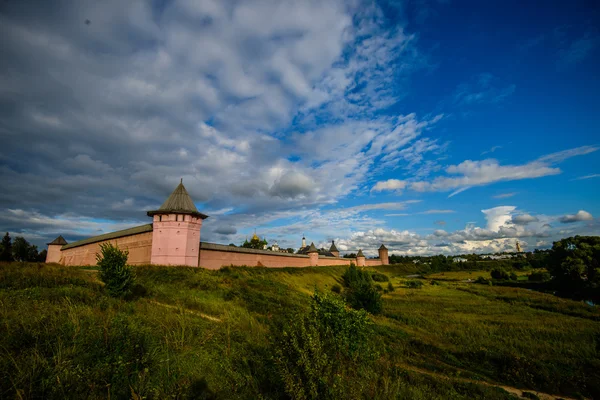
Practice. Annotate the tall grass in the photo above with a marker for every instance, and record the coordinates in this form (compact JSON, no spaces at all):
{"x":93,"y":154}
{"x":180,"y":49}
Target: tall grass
{"x":196,"y":333}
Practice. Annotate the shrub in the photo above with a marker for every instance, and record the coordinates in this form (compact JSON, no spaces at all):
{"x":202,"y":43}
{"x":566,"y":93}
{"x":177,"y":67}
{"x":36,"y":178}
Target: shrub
{"x":414,"y":284}
{"x":378,"y":287}
{"x":435,"y":283}
{"x":377,"y":277}
{"x":364,"y":296}
{"x":355,"y":276}
{"x":390,"y":287}
{"x":360,"y":292}
{"x":500,"y":274}
{"x":513,"y":277}
{"x":529,"y":395}
{"x":481,"y":280}
{"x":336,"y":288}
{"x":325,"y":353}
{"x":539,"y":277}
{"x":114,"y":271}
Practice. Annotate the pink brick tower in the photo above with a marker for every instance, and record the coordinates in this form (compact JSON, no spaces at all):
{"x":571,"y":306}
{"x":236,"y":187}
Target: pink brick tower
{"x":360,"y":259}
{"x":176,"y":230}
{"x":313,"y":253}
{"x":383,"y":255}
{"x":53,"y":255}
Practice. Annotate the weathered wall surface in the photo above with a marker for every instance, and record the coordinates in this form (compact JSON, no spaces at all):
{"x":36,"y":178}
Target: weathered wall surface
{"x":371,"y":262}
{"x":215,"y":256}
{"x":53,"y":255}
{"x":139,"y":247}
{"x":211,"y":256}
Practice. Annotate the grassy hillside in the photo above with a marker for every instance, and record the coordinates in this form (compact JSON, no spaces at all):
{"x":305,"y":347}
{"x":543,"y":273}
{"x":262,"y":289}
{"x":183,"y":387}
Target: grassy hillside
{"x":195,"y":333}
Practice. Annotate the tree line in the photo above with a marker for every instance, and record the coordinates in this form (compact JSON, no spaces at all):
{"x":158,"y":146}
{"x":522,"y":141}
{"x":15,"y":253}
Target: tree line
{"x":20,"y":250}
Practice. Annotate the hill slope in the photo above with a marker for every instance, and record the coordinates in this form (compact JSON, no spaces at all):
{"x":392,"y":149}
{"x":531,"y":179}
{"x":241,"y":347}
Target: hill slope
{"x":195,"y":333}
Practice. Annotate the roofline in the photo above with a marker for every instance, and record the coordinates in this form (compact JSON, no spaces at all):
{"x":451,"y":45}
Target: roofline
{"x":109,"y":236}
{"x":163,"y":212}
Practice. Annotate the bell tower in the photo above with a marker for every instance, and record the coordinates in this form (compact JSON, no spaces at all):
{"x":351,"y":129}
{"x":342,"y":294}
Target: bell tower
{"x":176,"y":230}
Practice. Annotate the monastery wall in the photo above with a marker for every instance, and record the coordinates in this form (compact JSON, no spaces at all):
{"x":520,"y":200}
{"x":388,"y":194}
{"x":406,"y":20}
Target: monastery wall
{"x":372,"y":262}
{"x":215,"y":256}
{"x":139,"y":247}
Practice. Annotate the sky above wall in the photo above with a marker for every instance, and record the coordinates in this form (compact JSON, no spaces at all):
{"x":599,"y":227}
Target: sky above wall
{"x":431,"y":126}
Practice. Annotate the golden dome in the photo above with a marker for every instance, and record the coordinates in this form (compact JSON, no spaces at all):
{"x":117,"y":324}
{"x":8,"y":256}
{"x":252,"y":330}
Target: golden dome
{"x":255,"y":237}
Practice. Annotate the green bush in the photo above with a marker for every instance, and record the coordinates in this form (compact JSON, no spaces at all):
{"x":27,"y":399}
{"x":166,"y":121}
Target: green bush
{"x":378,"y":287}
{"x":500,"y":274}
{"x":390,"y":287}
{"x":325,"y":354}
{"x":377,"y":277}
{"x":118,"y":277}
{"x":513,"y":277}
{"x":414,"y":284}
{"x":435,"y":283}
{"x":336,"y":288}
{"x":529,"y":395}
{"x":481,"y":280}
{"x":539,"y":277}
{"x":360,"y":292}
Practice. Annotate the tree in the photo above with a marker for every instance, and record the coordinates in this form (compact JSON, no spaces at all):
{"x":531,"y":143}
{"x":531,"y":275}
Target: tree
{"x":42,"y":256}
{"x":351,"y":255}
{"x":575,"y":262}
{"x":290,"y":250}
{"x":114,"y":271}
{"x":33,"y":254}
{"x":20,"y":249}
{"x":6,"y":253}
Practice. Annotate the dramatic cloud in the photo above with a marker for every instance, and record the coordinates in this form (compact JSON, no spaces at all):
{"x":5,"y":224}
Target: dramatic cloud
{"x":580,"y":216}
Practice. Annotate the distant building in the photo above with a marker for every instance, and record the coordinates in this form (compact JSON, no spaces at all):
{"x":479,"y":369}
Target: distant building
{"x":459,"y":260}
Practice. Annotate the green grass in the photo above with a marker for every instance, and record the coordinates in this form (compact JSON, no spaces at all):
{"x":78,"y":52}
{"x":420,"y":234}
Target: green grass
{"x":197,"y":333}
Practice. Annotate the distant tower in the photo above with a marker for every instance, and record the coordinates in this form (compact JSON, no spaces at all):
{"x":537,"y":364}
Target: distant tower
{"x":333,"y":250}
{"x":383,"y":255}
{"x":303,"y":241}
{"x":518,"y":247}
{"x":176,"y":230}
{"x":360,"y":259}
{"x":313,"y":253}
{"x":53,"y":255}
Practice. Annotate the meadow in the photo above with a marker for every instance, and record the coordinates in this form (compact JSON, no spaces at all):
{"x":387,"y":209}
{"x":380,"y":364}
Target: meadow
{"x":195,"y":333}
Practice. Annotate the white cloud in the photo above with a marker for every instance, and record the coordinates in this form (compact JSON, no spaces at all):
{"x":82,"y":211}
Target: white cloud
{"x":477,"y":173}
{"x":591,"y":176}
{"x":504,"y":195}
{"x":581,"y":215}
{"x":390,"y":184}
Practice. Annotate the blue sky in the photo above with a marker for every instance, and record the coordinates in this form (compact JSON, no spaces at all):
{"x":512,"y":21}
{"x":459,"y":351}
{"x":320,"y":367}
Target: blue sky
{"x":430,"y":126}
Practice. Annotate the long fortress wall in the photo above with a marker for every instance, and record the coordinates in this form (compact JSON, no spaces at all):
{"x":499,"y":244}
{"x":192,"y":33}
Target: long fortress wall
{"x":173,"y":238}
{"x":138,"y":242}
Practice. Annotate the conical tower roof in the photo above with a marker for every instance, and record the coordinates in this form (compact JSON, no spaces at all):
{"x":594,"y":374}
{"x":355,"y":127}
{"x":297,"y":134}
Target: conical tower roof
{"x":360,"y":253}
{"x":382,"y":247}
{"x":179,"y":202}
{"x":333,"y":248}
{"x":59,"y":240}
{"x":312,"y":248}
